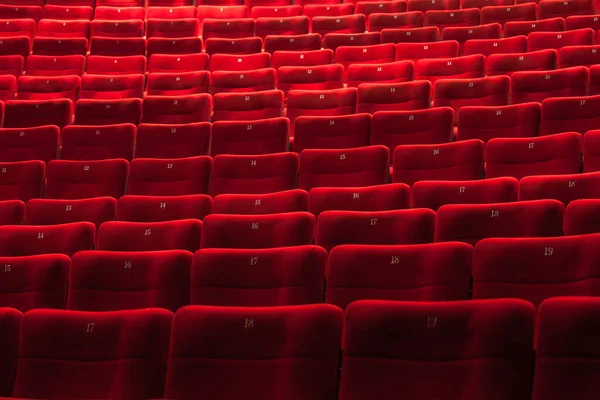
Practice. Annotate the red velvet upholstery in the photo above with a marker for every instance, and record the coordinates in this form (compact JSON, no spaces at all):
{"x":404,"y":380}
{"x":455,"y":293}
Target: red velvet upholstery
{"x":28,"y":240}
{"x":163,"y":208}
{"x":52,"y":212}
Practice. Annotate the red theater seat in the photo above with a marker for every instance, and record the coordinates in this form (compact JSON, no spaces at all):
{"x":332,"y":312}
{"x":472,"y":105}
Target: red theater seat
{"x":570,"y":114}
{"x":48,"y":88}
{"x":582,"y":21}
{"x":29,"y":240}
{"x":21,"y":180}
{"x":11,"y":65}
{"x":182,"y":234}
{"x":451,"y":18}
{"x":566,"y":351}
{"x":17,"y":27}
{"x":364,"y":166}
{"x":551,"y":40}
{"x":32,"y":113}
{"x":373,"y":97}
{"x":322,"y":9}
{"x":108,"y":112}
{"x":278,"y":277}
{"x":413,"y":226}
{"x":395,"y":20}
{"x":342,"y":24}
{"x":535,"y":269}
{"x":187,"y":45}
{"x":162,"y":280}
{"x":582,"y":216}
{"x":247,"y":106}
{"x":178,"y":62}
{"x":334,"y":40}
{"x":8,"y":87}
{"x":171,"y":12}
{"x":392,"y":72}
{"x":486,"y":123}
{"x":172,"y":28}
{"x":243,"y":81}
{"x":118,"y":13}
{"x":163,"y":208}
{"x":359,"y":272}
{"x":74,"y":347}
{"x":169,"y":177}
{"x":117,"y":47}
{"x":472,"y":222}
{"x":371,"y":7}
{"x":376,"y":54}
{"x":239,"y":62}
{"x":467,"y":67}
{"x":591,"y":151}
{"x":256,"y":174}
{"x":12,"y":212}
{"x":462,"y":34}
{"x":51,"y":46}
{"x":456,"y":161}
{"x":507,"y":64}
{"x":427,"y":50}
{"x":228,"y":28}
{"x":64,"y":29}
{"x":281,"y":26}
{"x":268,"y":203}
{"x":177,"y":84}
{"x":78,"y":12}
{"x":66,"y":179}
{"x":24,"y":144}
{"x":53,"y":212}
{"x":564,"y":188}
{"x":283,"y":58}
{"x":546,"y":155}
{"x":416,"y":342}
{"x":487,"y":47}
{"x":434,"y":194}
{"x":331,"y":132}
{"x":394,"y":196}
{"x":20,"y":45}
{"x":220,"y":12}
{"x":257,"y":231}
{"x":55,"y":65}
{"x":112,"y":86}
{"x":177,"y":109}
{"x":504,"y":14}
{"x":516,"y":28}
{"x":97,"y":142}
{"x":552,"y":9}
{"x":173,"y":141}
{"x":320,"y":103}
{"x":102,"y":65}
{"x":572,"y":56}
{"x":416,"y":35}
{"x":120,"y":29}
{"x":32,"y":282}
{"x":8,"y":11}
{"x":246,"y":45}
{"x":264,"y":136}
{"x":312,"y":334}
{"x":318,"y":77}
{"x":426,"y":5}
{"x":394,"y":128}
{"x":311,"y":41}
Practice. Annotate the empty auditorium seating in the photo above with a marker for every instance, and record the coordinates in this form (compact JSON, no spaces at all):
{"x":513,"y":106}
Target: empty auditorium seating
{"x":401,"y":35}
{"x":50,"y":212}
{"x":283,"y":58}
{"x":172,"y":28}
{"x":376,"y":54}
{"x":412,"y":343}
{"x":246,"y":45}
{"x":108,"y":111}
{"x":535,"y":269}
{"x":257,"y":231}
{"x":564,"y":188}
{"x":380,"y":21}
{"x":507,"y":64}
{"x":427,"y":50}
{"x":247,"y":106}
{"x":24,"y":144}
{"x":296,"y":25}
{"x":112,"y":86}
{"x":127,"y":28}
{"x":426,"y":5}
{"x":571,"y":56}
{"x":582,"y":216}
{"x":117,"y":47}
{"x":434,"y":194}
{"x":320,"y":9}
{"x":20,"y":45}
{"x":47,"y":88}
{"x":28,"y":240}
{"x":464,"y":33}
{"x":176,"y":109}
{"x":591,"y":151}
{"x":566,"y":351}
{"x":76,"y":12}
{"x":268,"y":203}
{"x":177,"y":84}
{"x":21,"y":180}
{"x":97,"y":142}
{"x":12,"y":212}
{"x":570,"y":114}
{"x":326,"y":102}
{"x":19,"y":27}
{"x":248,"y":174}
{"x":277,"y":277}
{"x":312,"y":334}
{"x":187,"y":45}
{"x":373,"y":97}
{"x":357,"y":272}
{"x":51,"y":46}
{"x":32,"y":282}
{"x":393,"y":128}
{"x":163,"y":208}
{"x":116,"y":13}
{"x":181,"y":234}
{"x":458,"y":93}
{"x":64,"y":29}
{"x":363,"y":166}
{"x":449,"y":161}
{"x":219,"y":12}
{"x":75,"y":347}
{"x":331,"y":132}
{"x":341,"y":24}
{"x":451,"y":18}
{"x":546,"y":155}
{"x":242,"y":81}
{"x":367,"y":8}
{"x":10,"y":320}
{"x":273,"y":43}
{"x":503,"y":14}
{"x":265,"y":136}
{"x":227,"y":28}
{"x":486,"y":47}
{"x":485,"y":123}
{"x":31,"y":113}
{"x":473,"y":222}
{"x":177,"y":62}
{"x":393,"y":72}
{"x":552,"y":40}
{"x":11,"y":65}
{"x":318,"y":77}
{"x":97,"y":281}
{"x":8,"y":87}
{"x":336,"y":228}
{"x":516,"y":28}
{"x":334,"y":40}
{"x":55,"y":66}
{"x":368,"y":198}
{"x":550,"y":9}
{"x":66,"y":179}
{"x":169,"y":177}
{"x":239,"y":62}
{"x":535,"y":86}
{"x":104,"y":65}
